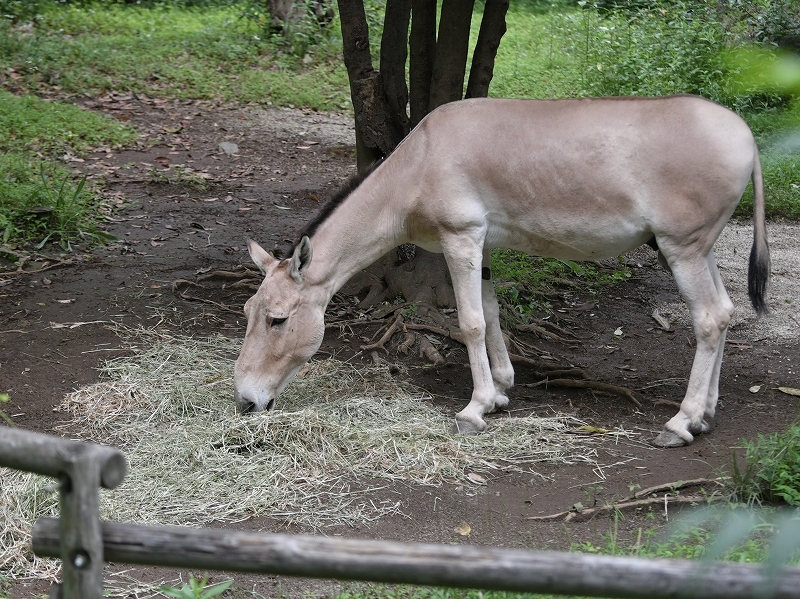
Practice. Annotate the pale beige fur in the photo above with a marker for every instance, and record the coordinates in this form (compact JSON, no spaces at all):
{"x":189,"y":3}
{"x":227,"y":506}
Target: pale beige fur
{"x":574,"y":179}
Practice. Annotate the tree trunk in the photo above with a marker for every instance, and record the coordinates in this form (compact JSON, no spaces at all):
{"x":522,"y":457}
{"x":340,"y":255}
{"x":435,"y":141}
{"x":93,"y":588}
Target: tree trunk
{"x":394,"y":51}
{"x":375,"y":133}
{"x":437,"y":69}
{"x":452,"y":47}
{"x":493,"y":27}
{"x":423,"y":48}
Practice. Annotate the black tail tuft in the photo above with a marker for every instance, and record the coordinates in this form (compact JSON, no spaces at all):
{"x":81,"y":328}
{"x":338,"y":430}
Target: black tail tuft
{"x":758,"y":273}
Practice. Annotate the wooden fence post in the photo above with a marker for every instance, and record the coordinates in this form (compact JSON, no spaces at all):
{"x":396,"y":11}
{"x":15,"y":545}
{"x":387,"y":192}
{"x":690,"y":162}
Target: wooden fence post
{"x":81,"y":468}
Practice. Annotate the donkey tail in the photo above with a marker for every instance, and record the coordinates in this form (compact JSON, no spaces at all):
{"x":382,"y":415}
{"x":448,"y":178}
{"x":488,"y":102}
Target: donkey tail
{"x":758,"y":272}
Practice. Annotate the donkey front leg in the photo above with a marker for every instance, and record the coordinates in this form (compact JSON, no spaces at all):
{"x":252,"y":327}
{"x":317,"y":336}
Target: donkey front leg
{"x":463,"y":254}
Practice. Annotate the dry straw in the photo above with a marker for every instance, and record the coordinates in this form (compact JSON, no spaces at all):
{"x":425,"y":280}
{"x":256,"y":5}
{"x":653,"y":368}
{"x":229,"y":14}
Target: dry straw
{"x":340,"y":437}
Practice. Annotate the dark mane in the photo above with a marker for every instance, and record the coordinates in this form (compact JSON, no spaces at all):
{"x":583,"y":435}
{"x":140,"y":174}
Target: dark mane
{"x":331,"y":205}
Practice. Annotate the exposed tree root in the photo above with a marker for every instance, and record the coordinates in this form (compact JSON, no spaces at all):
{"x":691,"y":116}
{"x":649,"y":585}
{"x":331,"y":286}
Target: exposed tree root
{"x":640,"y":498}
{"x":408,"y":342}
{"x":428,"y":351}
{"x":449,"y":333}
{"x":535,"y":328}
{"x":589,"y":384}
{"x":386,"y":336}
{"x":546,"y":369}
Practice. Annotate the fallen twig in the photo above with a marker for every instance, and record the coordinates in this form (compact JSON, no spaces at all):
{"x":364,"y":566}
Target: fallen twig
{"x":227,"y":274}
{"x":207,"y":301}
{"x":637,"y":499}
{"x":572,"y":514}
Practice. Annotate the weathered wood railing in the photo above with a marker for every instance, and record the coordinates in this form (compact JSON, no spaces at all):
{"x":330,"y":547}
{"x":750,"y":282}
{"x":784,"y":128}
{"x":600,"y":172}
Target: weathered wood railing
{"x":83,"y":543}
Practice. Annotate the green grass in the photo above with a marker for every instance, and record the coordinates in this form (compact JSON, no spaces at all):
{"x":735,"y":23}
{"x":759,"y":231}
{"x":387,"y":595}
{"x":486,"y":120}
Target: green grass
{"x":53,"y":129}
{"x":41,"y":201}
{"x":169,"y":51}
{"x":524,"y":282}
{"x":771,"y":469}
{"x":727,"y":533}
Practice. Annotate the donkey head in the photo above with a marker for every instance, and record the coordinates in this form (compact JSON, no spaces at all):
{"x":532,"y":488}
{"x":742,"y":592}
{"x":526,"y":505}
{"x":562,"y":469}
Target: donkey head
{"x":285,"y":326}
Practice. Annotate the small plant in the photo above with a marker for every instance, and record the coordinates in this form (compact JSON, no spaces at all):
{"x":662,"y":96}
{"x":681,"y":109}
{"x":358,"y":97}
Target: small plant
{"x":195,"y":589}
{"x":4,"y":398}
{"x":523,"y":283}
{"x":65,"y":215}
{"x":772,"y":469}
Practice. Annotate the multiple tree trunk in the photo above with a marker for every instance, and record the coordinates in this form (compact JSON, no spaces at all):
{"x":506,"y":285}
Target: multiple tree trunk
{"x":387,"y":107}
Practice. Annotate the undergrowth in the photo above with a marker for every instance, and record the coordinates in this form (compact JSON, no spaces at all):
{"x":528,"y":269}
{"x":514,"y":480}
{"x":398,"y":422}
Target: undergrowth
{"x":524,"y":283}
{"x":40,"y":200}
{"x":771,"y":469}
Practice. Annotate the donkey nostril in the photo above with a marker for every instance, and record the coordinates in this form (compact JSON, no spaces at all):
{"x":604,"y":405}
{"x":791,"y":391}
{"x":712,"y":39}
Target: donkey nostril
{"x":248,"y":408}
{"x":270,"y":405}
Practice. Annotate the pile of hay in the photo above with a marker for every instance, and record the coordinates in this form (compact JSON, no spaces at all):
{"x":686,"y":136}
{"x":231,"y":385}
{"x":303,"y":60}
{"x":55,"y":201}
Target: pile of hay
{"x":314,"y":461}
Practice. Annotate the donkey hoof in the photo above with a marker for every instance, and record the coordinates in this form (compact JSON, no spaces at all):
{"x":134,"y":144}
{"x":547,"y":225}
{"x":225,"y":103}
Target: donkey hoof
{"x":468,"y":427}
{"x":500,"y":402}
{"x":667,"y":438}
{"x":701,"y":428}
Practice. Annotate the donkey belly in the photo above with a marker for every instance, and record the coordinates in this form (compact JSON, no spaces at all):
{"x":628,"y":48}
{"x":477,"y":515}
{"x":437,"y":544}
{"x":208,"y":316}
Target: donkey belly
{"x":574,"y":239}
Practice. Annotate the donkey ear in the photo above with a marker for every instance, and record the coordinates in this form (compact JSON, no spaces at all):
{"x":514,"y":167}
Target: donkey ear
{"x":301,"y":259}
{"x":260,"y":256}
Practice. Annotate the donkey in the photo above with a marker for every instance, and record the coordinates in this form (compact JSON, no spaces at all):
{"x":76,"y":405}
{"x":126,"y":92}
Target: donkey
{"x":576,"y":179}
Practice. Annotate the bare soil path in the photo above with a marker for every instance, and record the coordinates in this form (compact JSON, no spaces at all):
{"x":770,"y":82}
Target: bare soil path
{"x":188,"y":205}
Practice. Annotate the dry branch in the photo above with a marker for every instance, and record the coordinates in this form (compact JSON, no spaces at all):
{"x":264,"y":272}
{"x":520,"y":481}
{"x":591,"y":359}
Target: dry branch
{"x":570,"y":515}
{"x":637,"y":499}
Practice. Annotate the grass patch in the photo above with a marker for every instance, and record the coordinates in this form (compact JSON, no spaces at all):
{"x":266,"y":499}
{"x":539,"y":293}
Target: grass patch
{"x":339,"y":437}
{"x":52,"y":129}
{"x":41,"y":201}
{"x":771,"y":470}
{"x":169,"y":51}
{"x":524,"y":283}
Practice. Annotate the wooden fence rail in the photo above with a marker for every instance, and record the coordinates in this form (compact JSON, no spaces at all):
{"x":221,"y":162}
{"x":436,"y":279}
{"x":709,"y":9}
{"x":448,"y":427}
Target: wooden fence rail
{"x":428,"y":564}
{"x":84,"y":543}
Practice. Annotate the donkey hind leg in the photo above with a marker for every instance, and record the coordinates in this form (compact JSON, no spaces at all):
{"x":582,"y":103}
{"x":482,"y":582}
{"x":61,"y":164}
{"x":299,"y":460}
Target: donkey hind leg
{"x":463,"y":254}
{"x":711,"y":311}
{"x":727,"y":304}
{"x":500,"y":363}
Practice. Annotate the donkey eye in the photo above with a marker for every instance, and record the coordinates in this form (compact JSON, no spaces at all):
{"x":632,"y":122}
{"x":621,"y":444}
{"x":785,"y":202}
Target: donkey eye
{"x":277,"y":321}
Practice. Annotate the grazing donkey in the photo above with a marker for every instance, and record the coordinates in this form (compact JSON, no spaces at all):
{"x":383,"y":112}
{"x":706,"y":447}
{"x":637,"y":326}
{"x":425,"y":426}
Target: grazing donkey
{"x":576,"y":179}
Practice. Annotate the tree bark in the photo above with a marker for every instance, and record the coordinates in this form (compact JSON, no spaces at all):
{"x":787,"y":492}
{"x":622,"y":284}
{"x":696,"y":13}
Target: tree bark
{"x":375,"y":134}
{"x":394,"y":51}
{"x":423,"y":47}
{"x":452,"y":47}
{"x":493,"y":27}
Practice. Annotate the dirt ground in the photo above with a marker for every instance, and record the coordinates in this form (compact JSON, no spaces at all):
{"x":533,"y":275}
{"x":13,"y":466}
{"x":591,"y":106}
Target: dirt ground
{"x":176,"y":222}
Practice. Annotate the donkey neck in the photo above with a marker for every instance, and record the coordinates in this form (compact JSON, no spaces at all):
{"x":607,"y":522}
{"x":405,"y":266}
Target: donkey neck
{"x":367,"y":224}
